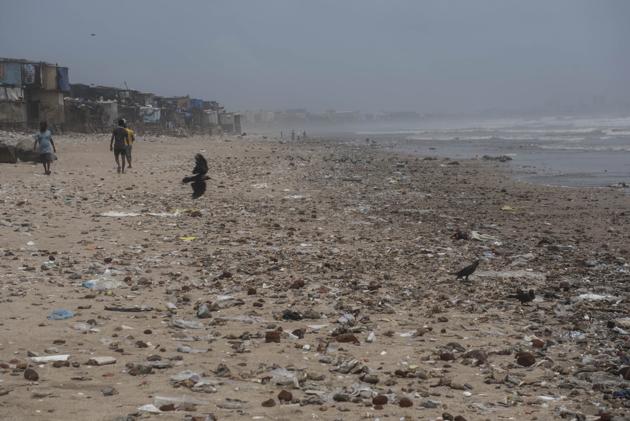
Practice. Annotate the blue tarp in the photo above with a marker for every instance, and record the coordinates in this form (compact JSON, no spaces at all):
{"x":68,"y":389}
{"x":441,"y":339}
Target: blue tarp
{"x":150,"y":114}
{"x":11,"y":74}
{"x":63,"y":80}
{"x":196,"y":103}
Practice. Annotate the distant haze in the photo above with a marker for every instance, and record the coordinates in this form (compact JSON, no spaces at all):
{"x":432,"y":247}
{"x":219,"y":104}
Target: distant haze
{"x":370,"y":55}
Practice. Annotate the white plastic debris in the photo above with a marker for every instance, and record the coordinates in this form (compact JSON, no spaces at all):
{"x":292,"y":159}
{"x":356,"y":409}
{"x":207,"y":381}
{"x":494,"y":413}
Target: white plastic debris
{"x":284,"y":377}
{"x":150,"y":408}
{"x":50,"y":358}
{"x":596,"y":297}
{"x":101,"y":361}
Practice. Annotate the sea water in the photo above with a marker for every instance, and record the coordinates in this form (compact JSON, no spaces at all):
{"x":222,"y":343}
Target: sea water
{"x":565,"y":151}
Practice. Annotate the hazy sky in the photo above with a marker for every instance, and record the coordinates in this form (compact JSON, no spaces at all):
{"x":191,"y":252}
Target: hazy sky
{"x":344,"y":54}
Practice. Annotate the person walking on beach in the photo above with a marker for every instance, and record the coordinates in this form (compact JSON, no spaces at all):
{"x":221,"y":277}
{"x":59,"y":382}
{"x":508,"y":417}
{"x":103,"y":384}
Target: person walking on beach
{"x":45,"y":145}
{"x":118,"y":144}
{"x":131,"y":137}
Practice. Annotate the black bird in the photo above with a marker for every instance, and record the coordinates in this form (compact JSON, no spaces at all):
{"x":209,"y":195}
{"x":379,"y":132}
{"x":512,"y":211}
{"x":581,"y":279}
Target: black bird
{"x":199,"y":178}
{"x":524,"y":297}
{"x":467,"y":271}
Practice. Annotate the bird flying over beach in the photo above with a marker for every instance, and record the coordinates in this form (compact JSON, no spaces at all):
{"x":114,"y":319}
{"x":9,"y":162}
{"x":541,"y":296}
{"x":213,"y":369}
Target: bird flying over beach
{"x":198,"y":179}
{"x":467,"y":271}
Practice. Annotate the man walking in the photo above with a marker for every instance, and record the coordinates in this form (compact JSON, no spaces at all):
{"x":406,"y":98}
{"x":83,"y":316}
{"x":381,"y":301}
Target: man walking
{"x":118,"y":144}
{"x":131,"y":137}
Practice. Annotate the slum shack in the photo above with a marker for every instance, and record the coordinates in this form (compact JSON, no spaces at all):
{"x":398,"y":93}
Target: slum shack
{"x":89,"y":116}
{"x":31,"y":92}
{"x":230,"y":122}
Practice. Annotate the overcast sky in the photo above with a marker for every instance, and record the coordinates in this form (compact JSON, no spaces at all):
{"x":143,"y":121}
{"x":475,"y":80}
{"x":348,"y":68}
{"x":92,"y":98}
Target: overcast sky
{"x":366,"y":55}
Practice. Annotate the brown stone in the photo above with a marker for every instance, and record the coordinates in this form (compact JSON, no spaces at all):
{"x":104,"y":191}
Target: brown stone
{"x":379,"y":400}
{"x":285,"y":396}
{"x":405,"y":402}
{"x":299,"y":333}
{"x":538,"y":343}
{"x":348,"y":338}
{"x":297,"y":284}
{"x":31,"y":375}
{"x":447,"y":356}
{"x":272,"y":336}
{"x":525,"y":359}
{"x":269,"y":403}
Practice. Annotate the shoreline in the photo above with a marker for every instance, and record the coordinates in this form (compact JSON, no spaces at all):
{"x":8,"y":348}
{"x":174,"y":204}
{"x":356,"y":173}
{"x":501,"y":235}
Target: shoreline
{"x":355,"y":238}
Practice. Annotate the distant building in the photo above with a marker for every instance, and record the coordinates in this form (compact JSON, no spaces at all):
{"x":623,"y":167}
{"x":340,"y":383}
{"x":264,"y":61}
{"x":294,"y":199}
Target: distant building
{"x":34,"y":91}
{"x":31,"y":92}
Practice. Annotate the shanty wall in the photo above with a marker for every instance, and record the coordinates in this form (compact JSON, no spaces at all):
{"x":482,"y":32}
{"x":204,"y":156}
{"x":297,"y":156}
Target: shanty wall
{"x":12,"y":113}
{"x":50,"y":105}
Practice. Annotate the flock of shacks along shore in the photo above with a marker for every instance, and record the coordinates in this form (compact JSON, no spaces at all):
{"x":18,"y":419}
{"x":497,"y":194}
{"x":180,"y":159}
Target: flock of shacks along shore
{"x":33,"y":91}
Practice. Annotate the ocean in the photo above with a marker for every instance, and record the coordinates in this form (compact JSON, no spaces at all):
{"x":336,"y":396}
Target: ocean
{"x":562,"y":151}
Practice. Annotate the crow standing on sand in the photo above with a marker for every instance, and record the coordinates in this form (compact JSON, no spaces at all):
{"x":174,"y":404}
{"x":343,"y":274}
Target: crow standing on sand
{"x":467,"y":271}
{"x":523,"y":296}
{"x":199,"y":178}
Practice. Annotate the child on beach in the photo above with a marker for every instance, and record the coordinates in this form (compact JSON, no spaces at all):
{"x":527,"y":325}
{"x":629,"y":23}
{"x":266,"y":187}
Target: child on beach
{"x":45,"y":146}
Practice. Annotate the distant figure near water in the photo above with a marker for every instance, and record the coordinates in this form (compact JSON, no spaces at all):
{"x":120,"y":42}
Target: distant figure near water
{"x":45,"y":146}
{"x":118,"y":144}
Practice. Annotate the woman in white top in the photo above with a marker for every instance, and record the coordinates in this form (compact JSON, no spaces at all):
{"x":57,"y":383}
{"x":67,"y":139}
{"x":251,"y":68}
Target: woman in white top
{"x":45,"y":146}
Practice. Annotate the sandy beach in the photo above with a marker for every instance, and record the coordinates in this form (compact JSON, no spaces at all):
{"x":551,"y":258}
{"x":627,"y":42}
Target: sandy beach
{"x":320,"y":269}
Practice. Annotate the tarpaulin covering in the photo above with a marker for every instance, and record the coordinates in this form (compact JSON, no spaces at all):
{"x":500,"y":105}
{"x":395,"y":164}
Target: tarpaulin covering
{"x":63,"y":80}
{"x":13,"y":94}
{"x":49,"y":77}
{"x":150,"y":114}
{"x":29,"y":72}
{"x":196,"y":103}
{"x":11,"y":74}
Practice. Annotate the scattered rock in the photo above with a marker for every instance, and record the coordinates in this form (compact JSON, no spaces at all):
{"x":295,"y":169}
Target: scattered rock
{"x":405,"y":402}
{"x":31,"y":375}
{"x":525,"y":359}
{"x":101,"y":361}
{"x":285,"y":396}
{"x":203,"y":312}
{"x":109,"y":391}
{"x":348,"y":338}
{"x":379,"y":400}
{"x":272,"y":336}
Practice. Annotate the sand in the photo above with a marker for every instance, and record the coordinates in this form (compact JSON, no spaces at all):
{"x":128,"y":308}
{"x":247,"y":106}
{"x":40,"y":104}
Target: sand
{"x":356,"y":243}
